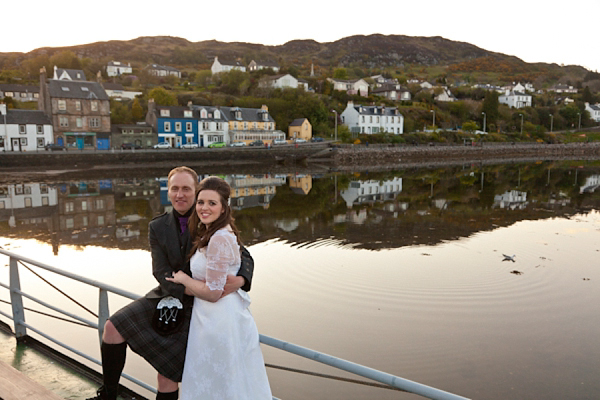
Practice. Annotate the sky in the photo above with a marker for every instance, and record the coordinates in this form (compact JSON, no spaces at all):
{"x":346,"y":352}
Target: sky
{"x":553,"y":31}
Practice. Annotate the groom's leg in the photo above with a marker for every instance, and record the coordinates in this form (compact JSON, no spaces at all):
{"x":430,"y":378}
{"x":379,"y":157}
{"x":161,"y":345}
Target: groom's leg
{"x":167,"y":389}
{"x":113,"y":351}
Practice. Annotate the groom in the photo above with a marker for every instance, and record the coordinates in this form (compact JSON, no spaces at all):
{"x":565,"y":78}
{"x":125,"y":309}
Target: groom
{"x":170,"y":245}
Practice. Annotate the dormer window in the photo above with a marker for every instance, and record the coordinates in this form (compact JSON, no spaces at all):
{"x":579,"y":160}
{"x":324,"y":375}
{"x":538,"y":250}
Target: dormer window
{"x":165,"y":113}
{"x":238,"y":114}
{"x":265,"y":116}
{"x":203,"y":113}
{"x":187,"y":113}
{"x":217,"y":114}
{"x":85,"y":89}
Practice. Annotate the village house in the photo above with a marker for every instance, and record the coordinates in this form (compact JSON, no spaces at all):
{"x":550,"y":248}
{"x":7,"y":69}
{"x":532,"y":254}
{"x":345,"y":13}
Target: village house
{"x":515,"y":99}
{"x":219,"y":66}
{"x":258,"y":65}
{"x":24,"y":130}
{"x":139,"y":135}
{"x":250,"y":124}
{"x":393,"y":92}
{"x":594,"y":110}
{"x":300,"y":128}
{"x":117,"y":68}
{"x":372,"y":119}
{"x":19,"y":92}
{"x":278,"y":82}
{"x":163,"y":70}
{"x":445,"y":96}
{"x":79,"y":111}
{"x":357,"y":86}
{"x":562,"y":88}
{"x":118,"y":91}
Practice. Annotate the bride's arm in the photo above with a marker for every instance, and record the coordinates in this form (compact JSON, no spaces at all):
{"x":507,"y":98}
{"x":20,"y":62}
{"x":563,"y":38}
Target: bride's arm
{"x":219,"y":254}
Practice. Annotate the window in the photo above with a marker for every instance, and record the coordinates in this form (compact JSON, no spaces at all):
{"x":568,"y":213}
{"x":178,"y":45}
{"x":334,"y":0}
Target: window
{"x":45,"y":201}
{"x":245,"y":125}
{"x":187,"y":113}
{"x":23,"y":94}
{"x":40,"y":142}
{"x":9,"y":94}
{"x":23,"y":141}
{"x":100,"y":219}
{"x":177,"y":126}
{"x":84,"y":88}
{"x":99,"y":204}
{"x":85,"y":220}
{"x":69,"y":206}
{"x":219,"y":126}
{"x":43,"y":188}
{"x":22,"y":129}
{"x":94,"y":106}
{"x":84,"y":205}
{"x":203,"y":113}
{"x":39,"y":129}
{"x":62,"y":105}
{"x":188,"y":126}
{"x":165,"y":113}
{"x":94,"y":122}
{"x":255,"y":125}
{"x":167,"y":126}
{"x":27,"y":189}
{"x":78,"y":105}
{"x":235,"y":125}
{"x":69,"y":223}
{"x":79,"y":122}
{"x":28,"y":202}
{"x":205,"y":126}
{"x":36,"y":95}
{"x":64,"y":121}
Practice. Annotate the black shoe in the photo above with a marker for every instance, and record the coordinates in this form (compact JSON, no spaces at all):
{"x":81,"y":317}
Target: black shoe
{"x":102,"y":395}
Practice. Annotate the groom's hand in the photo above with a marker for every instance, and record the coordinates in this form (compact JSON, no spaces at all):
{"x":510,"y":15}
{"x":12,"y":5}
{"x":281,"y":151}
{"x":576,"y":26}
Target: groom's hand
{"x":233,"y":284}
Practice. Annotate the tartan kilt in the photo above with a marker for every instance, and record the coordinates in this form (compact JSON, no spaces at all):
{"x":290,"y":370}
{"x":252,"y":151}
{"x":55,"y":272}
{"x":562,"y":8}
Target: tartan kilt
{"x":165,"y":353}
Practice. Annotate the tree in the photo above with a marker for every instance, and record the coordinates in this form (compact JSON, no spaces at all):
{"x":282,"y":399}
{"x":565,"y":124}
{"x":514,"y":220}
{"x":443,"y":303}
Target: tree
{"x":204,"y":78}
{"x":137,"y":112}
{"x":490,"y":106}
{"x":340,"y":73}
{"x":470,"y":126}
{"x":65,"y":59}
{"x":162,"y":97}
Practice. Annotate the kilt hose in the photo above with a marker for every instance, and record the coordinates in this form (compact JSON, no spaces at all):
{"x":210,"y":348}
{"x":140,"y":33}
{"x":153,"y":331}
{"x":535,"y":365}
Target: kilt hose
{"x":165,"y":353}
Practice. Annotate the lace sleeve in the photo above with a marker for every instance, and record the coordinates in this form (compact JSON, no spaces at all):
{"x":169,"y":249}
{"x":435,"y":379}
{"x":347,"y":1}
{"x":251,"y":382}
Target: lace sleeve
{"x":220,"y":254}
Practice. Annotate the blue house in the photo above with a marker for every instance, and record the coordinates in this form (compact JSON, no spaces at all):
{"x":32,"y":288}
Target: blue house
{"x":174,"y":124}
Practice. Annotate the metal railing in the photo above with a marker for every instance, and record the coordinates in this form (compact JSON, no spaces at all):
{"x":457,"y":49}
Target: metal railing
{"x":20,"y":329}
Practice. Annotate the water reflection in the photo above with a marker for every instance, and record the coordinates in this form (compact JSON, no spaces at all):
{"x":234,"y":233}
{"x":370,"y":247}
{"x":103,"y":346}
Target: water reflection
{"x":368,"y":210}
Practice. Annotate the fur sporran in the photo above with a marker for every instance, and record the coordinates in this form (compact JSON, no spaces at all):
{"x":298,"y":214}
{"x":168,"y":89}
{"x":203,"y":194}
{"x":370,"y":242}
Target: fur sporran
{"x":168,"y":316}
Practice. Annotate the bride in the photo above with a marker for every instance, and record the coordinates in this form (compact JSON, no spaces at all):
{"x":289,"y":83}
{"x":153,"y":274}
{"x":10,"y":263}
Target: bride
{"x":223,"y":357}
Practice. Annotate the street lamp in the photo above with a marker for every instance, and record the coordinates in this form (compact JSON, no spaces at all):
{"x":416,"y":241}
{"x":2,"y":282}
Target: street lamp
{"x":483,"y":121}
{"x":579,"y":128}
{"x":433,"y":111}
{"x":551,"y":122}
{"x":335,"y":129}
{"x":521,"y":124}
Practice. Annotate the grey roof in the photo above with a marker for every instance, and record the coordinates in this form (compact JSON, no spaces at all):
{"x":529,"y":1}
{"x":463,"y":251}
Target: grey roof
{"x":27,"y":117}
{"x":76,"y":90}
{"x":248,"y":114}
{"x":162,"y":67}
{"x":12,"y":87}
{"x":112,"y":86}
{"x":370,"y":110}
{"x":72,"y":73}
{"x":298,"y":122}
{"x":177,"y":112}
{"x":266,"y":63}
{"x":234,"y":63}
{"x":595,"y":107}
{"x":389,"y":88}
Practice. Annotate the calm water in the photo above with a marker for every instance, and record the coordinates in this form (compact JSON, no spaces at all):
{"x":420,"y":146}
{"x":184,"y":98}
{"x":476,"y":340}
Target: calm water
{"x":401,"y":271}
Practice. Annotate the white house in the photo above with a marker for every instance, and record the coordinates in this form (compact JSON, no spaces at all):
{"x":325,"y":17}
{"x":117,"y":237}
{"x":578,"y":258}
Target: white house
{"x":258,"y":65}
{"x":19,"y":92}
{"x":24,"y":130}
{"x":63,"y":74}
{"x":278,"y":81}
{"x":226,"y":66}
{"x":562,"y":88}
{"x":118,"y":91}
{"x":163,"y":70}
{"x":594,"y":110}
{"x":515,"y":99}
{"x":372,"y":119}
{"x":213,"y":125}
{"x":512,"y":199}
{"x":446,"y":96}
{"x":357,"y":86}
{"x":27,"y":202}
{"x":393,"y":92}
{"x":116,"y":68}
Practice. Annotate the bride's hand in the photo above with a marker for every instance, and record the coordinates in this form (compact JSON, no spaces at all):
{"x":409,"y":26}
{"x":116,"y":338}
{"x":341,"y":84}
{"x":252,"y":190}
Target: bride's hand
{"x":178,"y":277}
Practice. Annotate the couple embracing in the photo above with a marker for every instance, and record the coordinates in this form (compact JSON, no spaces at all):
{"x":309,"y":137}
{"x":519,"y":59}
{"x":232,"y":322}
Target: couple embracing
{"x":197,"y":260}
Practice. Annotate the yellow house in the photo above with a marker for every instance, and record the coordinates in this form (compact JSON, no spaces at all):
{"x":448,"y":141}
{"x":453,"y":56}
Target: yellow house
{"x":301,"y":184}
{"x":300,"y":129}
{"x":249,"y":124}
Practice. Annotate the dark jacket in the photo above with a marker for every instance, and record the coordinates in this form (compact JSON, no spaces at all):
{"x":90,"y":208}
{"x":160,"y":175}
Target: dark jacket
{"x":170,"y":251}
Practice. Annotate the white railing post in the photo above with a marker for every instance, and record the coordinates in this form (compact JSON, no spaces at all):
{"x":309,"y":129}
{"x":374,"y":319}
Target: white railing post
{"x":16,"y":299}
{"x":103,"y":312}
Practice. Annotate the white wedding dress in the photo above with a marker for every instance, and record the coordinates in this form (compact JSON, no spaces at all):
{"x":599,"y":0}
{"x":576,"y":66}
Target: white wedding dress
{"x":223,"y":359}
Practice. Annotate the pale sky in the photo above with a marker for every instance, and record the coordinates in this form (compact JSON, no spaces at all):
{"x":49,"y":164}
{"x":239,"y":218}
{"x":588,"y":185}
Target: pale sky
{"x":552,"y":31}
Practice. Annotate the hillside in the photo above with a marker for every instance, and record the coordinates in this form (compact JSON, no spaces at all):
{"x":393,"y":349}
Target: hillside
{"x":373,"y":51}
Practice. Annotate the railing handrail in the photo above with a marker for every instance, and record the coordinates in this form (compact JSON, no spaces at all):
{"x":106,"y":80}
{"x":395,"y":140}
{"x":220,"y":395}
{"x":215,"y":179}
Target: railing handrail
{"x":356,"y":369}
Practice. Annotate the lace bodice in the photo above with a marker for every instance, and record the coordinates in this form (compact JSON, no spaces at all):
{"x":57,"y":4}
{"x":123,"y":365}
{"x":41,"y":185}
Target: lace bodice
{"x":214,"y":262}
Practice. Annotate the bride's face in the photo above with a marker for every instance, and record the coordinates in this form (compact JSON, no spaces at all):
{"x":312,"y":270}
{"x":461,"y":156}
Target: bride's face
{"x":208,"y":206}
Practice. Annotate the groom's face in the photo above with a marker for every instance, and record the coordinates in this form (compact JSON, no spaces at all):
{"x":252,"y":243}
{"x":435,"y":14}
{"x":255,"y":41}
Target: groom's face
{"x":182,"y":191}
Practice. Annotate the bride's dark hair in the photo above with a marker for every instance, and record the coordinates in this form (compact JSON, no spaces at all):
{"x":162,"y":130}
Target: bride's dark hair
{"x":199,"y":233}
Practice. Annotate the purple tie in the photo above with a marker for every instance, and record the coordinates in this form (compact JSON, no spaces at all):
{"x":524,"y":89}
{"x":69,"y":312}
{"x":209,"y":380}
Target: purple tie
{"x":183,"y":223}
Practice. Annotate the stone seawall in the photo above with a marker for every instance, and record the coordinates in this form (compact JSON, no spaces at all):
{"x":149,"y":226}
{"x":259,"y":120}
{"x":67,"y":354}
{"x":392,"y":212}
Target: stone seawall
{"x":378,"y":155}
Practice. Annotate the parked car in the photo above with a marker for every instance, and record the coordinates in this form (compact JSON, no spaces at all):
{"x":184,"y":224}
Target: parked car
{"x":189,"y":146}
{"x":258,"y":143}
{"x":317,"y":139}
{"x":128,"y":146}
{"x":238,"y":144}
{"x":298,"y":140}
{"x":217,"y":145}
{"x":55,"y":147}
{"x":279,"y":141}
{"x":162,"y":145}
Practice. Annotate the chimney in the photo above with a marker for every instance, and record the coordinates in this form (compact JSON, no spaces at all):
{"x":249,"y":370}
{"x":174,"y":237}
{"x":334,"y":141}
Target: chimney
{"x":99,"y":77}
{"x":265,"y":108}
{"x":350,"y":103}
{"x":43,"y":98}
{"x":190,"y":104}
{"x":150,"y":116}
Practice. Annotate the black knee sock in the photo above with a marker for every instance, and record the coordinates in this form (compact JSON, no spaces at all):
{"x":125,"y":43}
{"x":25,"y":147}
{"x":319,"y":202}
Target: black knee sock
{"x":167,"y":396}
{"x":113,"y":362}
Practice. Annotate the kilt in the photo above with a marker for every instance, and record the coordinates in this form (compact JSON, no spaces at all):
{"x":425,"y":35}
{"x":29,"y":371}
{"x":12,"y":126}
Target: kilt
{"x":165,"y":353}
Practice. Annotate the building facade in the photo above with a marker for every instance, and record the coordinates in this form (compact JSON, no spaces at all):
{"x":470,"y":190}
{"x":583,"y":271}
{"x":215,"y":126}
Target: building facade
{"x":300,"y":128}
{"x":372,"y":119}
{"x":515,"y":99}
{"x":19,"y":92}
{"x":219,"y":66}
{"x":24,"y":130}
{"x":117,"y":68}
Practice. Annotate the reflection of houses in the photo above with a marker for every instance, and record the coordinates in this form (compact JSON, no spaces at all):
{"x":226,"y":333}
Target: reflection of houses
{"x":512,"y":200}
{"x":27,"y":204}
{"x":249,"y":191}
{"x":300,"y":184}
{"x":358,"y":218}
{"x":361,"y":192}
{"x":591,"y":184}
